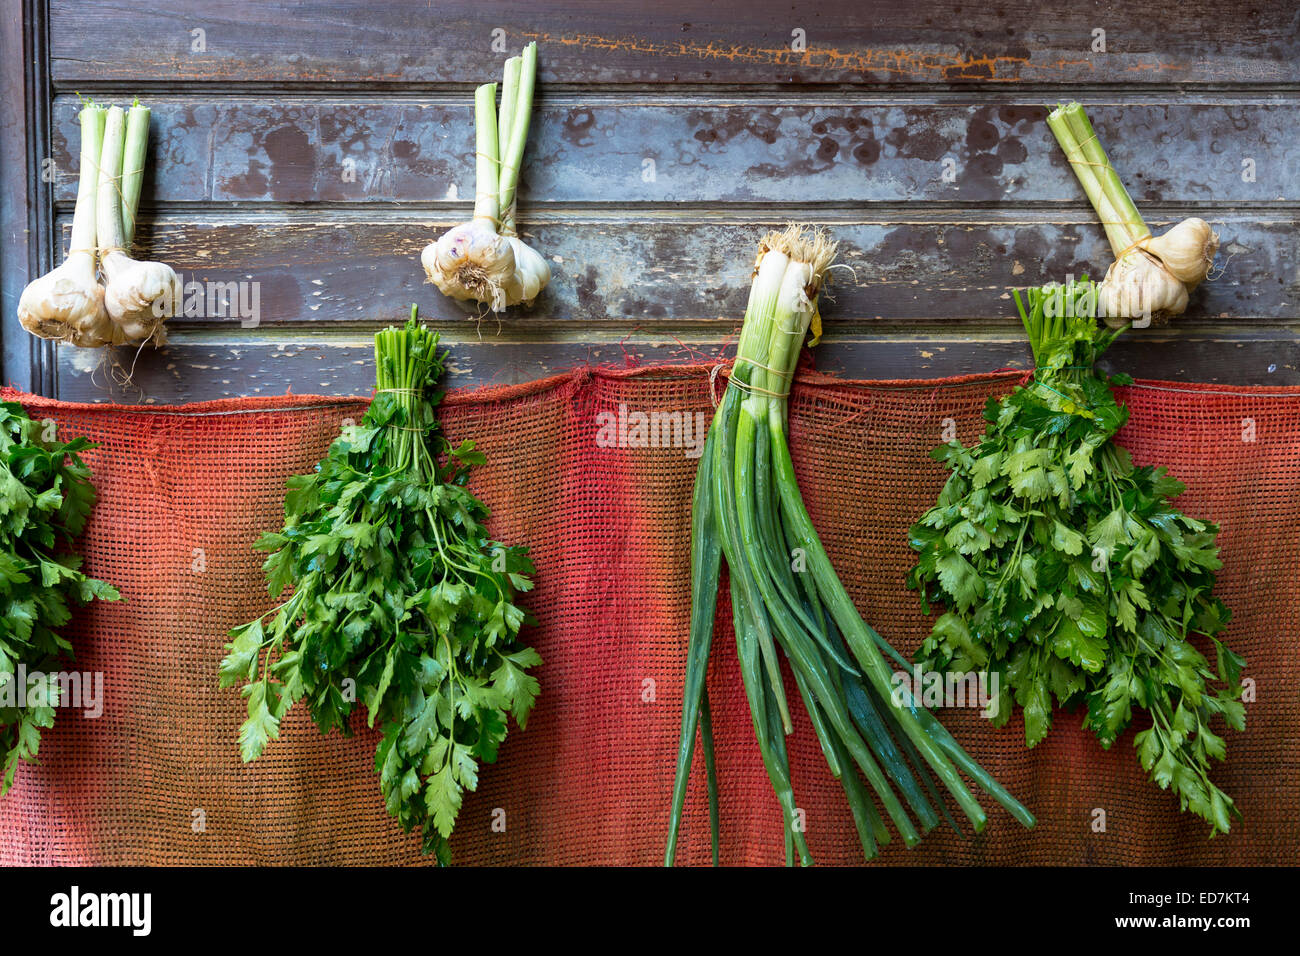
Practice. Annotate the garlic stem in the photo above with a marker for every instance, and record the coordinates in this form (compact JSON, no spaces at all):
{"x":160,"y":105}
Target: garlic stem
{"x":1127,"y":219}
{"x":506,"y":115}
{"x":512,"y":155}
{"x":108,"y":208}
{"x":83,"y":215}
{"x":133,"y":159}
{"x":487,"y":202}
{"x":1110,"y":200}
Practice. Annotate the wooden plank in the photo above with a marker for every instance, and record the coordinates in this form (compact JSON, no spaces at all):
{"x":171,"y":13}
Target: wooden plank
{"x":25,"y":222}
{"x":198,"y":367}
{"x":673,"y":41}
{"x":324,"y":268}
{"x":372,"y":148}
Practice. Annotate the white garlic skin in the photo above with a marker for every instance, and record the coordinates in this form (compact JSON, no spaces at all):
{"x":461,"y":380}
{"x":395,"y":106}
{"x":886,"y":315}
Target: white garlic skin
{"x":1138,"y":287}
{"x":472,"y":262}
{"x":64,"y":301}
{"x":1187,"y":250}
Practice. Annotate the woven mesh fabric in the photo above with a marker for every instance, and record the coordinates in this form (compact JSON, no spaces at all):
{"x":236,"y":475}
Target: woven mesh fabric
{"x":184,"y":492}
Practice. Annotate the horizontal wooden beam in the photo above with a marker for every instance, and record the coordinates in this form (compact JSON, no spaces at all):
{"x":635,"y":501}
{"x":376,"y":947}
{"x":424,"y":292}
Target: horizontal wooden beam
{"x":671,"y":267}
{"x":673,"y":41}
{"x":202,"y":366}
{"x":372,"y":149}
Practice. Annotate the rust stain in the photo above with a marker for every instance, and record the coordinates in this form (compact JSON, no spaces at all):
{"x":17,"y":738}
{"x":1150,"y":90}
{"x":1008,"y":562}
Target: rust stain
{"x":896,"y":61}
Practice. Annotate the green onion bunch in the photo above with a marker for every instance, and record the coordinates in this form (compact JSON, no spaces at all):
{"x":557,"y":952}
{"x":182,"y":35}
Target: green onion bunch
{"x":748,"y":508}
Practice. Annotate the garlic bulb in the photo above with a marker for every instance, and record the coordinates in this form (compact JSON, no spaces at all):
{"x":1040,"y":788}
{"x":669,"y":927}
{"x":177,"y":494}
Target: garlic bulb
{"x":1187,"y":250}
{"x":65,"y":301}
{"x":68,"y":302}
{"x":136,"y":295}
{"x":531,"y":270}
{"x":484,"y":260}
{"x":1151,"y":276}
{"x":472,"y":262}
{"x":1138,"y":286}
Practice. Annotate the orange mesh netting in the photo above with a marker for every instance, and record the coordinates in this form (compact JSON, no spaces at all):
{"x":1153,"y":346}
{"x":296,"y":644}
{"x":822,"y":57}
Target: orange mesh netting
{"x":185,"y":491}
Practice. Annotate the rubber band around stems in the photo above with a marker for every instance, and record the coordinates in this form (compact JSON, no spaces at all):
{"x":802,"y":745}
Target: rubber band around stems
{"x":713,"y":377}
{"x":407,"y":391}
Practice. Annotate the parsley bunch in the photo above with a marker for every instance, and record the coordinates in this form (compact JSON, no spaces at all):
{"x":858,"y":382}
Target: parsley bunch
{"x":45,"y":498}
{"x":1067,"y":571}
{"x":401,"y":601}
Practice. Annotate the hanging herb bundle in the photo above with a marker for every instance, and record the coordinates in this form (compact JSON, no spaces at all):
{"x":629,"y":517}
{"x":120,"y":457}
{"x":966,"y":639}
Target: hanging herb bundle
{"x":747,"y":508}
{"x":401,"y":602}
{"x":45,"y":498}
{"x":1068,"y":571}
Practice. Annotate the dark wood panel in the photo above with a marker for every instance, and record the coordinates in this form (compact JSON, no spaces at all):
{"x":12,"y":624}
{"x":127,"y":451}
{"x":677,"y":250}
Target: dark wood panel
{"x":681,"y":268}
{"x":25,"y":222}
{"x":371,"y":149}
{"x":199,"y":368}
{"x":669,"y":41}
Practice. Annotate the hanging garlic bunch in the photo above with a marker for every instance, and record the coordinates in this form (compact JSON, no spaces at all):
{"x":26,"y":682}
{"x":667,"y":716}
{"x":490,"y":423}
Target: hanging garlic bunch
{"x":484,"y":260}
{"x":1151,"y":276}
{"x":137,"y":295}
{"x":69,"y":304}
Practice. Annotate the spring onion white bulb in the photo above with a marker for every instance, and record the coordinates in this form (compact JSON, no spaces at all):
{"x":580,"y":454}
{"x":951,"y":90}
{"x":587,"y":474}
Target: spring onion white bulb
{"x":484,"y":260}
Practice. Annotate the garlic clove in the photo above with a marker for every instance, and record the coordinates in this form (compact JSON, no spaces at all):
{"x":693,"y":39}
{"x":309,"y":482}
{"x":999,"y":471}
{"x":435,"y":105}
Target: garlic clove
{"x":531,"y":269}
{"x":134,"y":287}
{"x":1187,"y":250}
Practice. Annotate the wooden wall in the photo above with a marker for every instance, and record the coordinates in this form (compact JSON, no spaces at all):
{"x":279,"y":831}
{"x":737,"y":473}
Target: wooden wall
{"x":315,"y":147}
